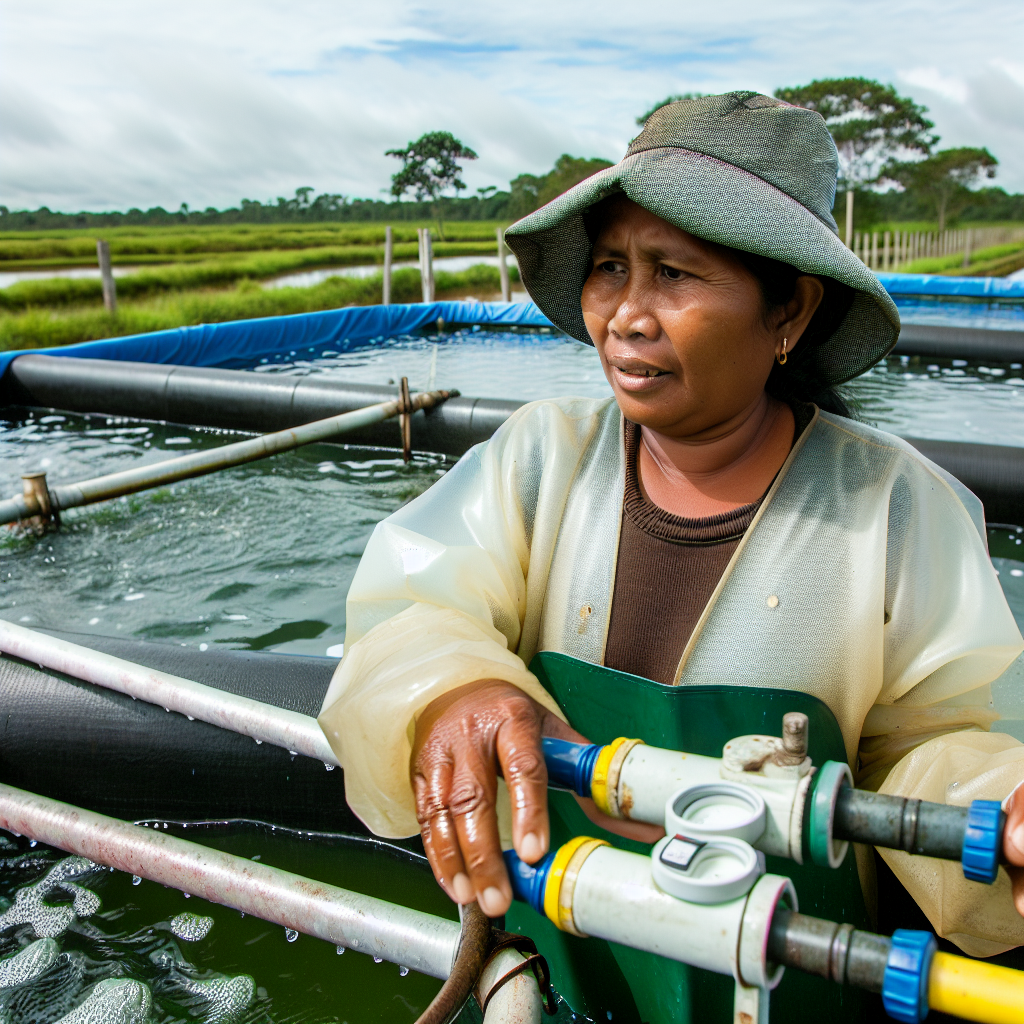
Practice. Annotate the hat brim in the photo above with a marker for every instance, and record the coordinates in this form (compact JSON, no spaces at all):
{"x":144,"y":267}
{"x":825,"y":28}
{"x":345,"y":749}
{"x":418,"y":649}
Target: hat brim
{"x":719,"y":202}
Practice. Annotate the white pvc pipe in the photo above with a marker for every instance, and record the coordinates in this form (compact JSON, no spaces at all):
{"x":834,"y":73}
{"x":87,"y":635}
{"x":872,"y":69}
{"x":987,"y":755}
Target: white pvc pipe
{"x":410,"y":938}
{"x":649,"y":776}
{"x":518,"y":1001}
{"x":422,"y":942}
{"x":263,"y":722}
{"x":615,"y":898}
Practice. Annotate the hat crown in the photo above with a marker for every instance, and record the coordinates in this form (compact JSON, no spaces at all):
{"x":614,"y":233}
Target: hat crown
{"x":789,"y":147}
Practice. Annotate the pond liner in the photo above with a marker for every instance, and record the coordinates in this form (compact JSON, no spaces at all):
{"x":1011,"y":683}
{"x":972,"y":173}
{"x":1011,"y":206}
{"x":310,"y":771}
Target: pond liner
{"x":938,"y":285}
{"x":244,"y":343}
{"x":95,"y":748}
{"x":240,"y":400}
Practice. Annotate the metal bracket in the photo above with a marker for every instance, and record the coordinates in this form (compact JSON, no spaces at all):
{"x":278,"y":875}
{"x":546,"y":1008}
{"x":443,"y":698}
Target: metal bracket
{"x":405,"y":420}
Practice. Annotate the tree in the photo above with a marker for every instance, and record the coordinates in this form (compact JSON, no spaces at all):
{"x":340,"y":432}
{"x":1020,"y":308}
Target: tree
{"x":869,"y":122}
{"x":642,"y":119}
{"x":530,"y":191}
{"x":430,"y":168}
{"x":944,"y":178}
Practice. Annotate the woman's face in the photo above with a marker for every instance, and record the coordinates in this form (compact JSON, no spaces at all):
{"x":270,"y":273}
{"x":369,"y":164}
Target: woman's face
{"x":679,"y":324}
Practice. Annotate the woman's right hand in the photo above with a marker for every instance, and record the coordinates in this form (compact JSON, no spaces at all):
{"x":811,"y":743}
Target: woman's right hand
{"x":461,"y":739}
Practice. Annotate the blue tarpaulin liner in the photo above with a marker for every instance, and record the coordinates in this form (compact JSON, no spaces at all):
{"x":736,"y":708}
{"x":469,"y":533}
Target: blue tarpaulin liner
{"x":964,"y":287}
{"x":242,"y":343}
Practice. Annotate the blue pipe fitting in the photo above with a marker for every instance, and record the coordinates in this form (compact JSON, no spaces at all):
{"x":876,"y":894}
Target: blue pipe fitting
{"x":983,"y":840}
{"x":528,"y":880}
{"x":570,"y":765}
{"x":905,"y":983}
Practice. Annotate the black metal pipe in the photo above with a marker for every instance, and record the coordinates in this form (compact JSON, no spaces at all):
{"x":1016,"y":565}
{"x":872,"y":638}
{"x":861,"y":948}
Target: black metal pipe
{"x":263,"y":402}
{"x":835,"y":951}
{"x":961,"y":343}
{"x":238,"y":400}
{"x":900,"y":823}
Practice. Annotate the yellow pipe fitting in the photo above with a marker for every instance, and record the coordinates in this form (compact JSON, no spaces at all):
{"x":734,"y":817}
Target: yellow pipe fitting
{"x":976,"y":990}
{"x":605,"y":798}
{"x":564,"y":869}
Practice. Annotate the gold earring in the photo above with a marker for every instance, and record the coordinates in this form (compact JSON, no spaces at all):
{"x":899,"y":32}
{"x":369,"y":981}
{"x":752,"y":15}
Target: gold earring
{"x":782,"y":357}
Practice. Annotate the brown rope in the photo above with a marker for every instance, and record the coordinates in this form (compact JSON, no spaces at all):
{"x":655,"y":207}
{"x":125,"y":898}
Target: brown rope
{"x":470,"y":960}
{"x":533,"y":962}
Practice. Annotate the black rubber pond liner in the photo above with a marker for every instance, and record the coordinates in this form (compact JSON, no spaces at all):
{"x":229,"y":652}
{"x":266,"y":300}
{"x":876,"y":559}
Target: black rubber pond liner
{"x":970,"y":343}
{"x":92,"y":747}
{"x":242,"y":400}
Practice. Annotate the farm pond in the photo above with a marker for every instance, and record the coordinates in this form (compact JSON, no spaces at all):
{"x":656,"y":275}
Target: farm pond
{"x":260,"y":558}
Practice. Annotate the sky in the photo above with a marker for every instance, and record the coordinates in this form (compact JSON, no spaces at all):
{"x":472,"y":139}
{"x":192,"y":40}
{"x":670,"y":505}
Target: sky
{"x":108,"y":104}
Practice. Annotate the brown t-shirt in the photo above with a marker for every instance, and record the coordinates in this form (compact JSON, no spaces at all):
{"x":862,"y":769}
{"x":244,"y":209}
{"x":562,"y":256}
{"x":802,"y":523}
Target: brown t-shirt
{"x":668,"y":568}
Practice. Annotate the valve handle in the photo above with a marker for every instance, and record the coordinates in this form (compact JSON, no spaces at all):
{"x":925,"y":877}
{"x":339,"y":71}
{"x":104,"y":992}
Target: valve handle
{"x":905,"y":983}
{"x":983,"y":841}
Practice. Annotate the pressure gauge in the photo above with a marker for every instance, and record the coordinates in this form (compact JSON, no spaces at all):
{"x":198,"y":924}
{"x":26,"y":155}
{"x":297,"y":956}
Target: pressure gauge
{"x":716,"y":809}
{"x":705,"y":871}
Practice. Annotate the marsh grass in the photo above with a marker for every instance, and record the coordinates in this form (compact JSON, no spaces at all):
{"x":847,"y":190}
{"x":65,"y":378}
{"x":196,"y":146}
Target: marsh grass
{"x":218,"y":272}
{"x":25,"y":249}
{"x":42,"y":328}
{"x":994,"y":261}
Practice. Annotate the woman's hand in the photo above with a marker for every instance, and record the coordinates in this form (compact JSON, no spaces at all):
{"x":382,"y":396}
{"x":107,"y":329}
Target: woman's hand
{"x":1013,"y":845}
{"x":461,"y":739}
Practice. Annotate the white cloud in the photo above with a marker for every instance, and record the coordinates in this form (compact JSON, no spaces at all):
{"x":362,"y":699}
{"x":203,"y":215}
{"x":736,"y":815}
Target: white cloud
{"x":112,"y":103}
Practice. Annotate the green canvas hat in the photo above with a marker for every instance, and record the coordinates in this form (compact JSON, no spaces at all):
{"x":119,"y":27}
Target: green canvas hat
{"x":743,"y":170}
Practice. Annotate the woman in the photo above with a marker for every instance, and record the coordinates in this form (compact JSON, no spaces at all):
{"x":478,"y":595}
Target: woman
{"x":719,"y":521}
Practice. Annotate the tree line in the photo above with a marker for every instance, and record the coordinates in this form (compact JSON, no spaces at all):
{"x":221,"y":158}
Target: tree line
{"x":888,"y":159}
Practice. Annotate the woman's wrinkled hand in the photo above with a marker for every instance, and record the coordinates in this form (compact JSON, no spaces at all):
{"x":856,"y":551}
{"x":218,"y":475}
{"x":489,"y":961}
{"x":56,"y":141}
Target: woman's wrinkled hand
{"x":461,"y":739}
{"x":1013,"y":845}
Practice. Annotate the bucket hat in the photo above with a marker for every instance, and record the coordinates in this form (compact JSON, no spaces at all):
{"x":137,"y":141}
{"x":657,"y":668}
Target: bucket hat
{"x":743,"y":170}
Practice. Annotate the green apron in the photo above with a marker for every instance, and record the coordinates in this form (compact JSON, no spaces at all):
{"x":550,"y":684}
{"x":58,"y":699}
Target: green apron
{"x":609,"y":982}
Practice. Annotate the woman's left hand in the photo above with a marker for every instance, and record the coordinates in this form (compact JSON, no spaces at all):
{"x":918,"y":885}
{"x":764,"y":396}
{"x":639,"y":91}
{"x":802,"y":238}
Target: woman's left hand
{"x":1013,"y":845}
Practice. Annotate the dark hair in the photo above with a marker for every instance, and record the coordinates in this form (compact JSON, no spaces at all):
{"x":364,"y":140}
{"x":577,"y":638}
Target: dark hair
{"x":791,"y":383}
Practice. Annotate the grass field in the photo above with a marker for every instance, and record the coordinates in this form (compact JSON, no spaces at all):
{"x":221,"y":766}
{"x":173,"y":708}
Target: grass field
{"x":995,"y":261}
{"x":196,"y":275}
{"x":212,"y":274}
{"x":29,"y":250}
{"x":47,"y":328}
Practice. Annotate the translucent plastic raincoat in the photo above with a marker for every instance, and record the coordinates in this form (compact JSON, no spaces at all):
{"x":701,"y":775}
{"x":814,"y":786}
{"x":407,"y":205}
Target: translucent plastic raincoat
{"x":864,"y":580}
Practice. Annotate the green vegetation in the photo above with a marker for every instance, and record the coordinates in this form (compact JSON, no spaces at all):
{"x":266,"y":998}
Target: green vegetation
{"x":429,"y":169}
{"x":27,"y":250}
{"x":994,"y":261}
{"x":869,"y":122}
{"x":222,"y":271}
{"x":530,"y":192}
{"x":944,"y":178}
{"x":43,"y":328}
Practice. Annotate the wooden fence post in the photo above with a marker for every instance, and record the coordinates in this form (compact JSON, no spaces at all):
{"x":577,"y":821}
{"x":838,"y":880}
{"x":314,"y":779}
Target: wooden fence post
{"x":389,"y":251}
{"x":874,"y":251}
{"x":849,"y":218}
{"x":107,"y":276}
{"x":426,"y":265}
{"x":506,"y":285}
{"x":886,"y":251}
